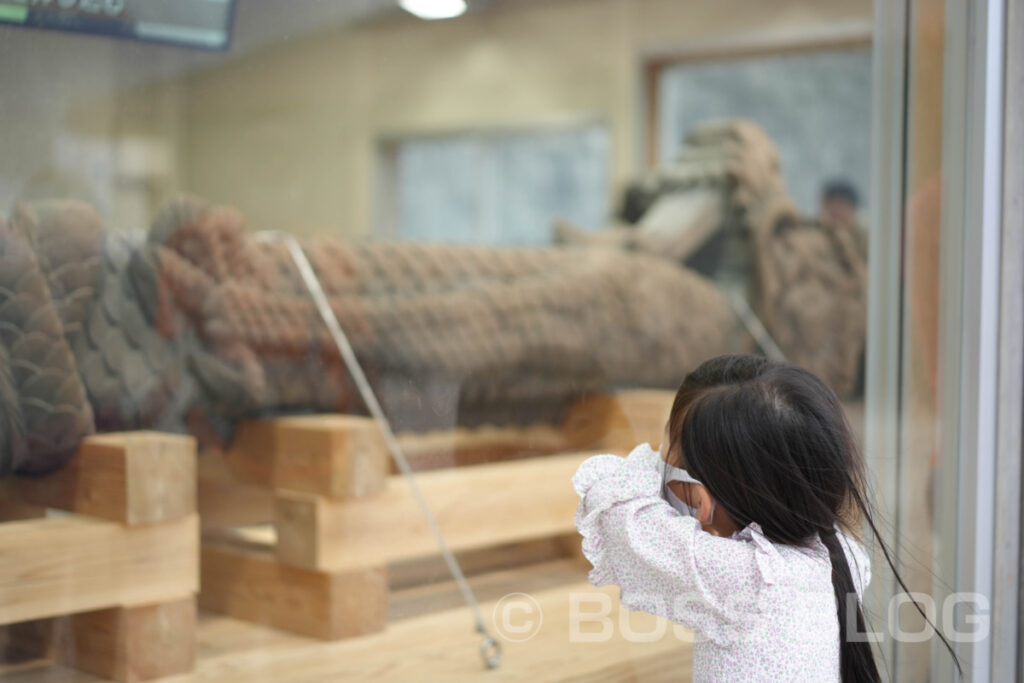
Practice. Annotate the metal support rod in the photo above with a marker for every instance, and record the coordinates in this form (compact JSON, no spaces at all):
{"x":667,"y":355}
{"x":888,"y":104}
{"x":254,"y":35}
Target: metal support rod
{"x":755,"y":327}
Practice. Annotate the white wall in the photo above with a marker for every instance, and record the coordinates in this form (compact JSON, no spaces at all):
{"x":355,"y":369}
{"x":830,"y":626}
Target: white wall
{"x":69,"y":130}
{"x":288,"y":134}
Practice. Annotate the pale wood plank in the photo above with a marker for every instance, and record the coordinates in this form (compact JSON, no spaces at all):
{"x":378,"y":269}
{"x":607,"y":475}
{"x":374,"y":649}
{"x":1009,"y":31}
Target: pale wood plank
{"x":619,"y":421}
{"x":426,"y":570}
{"x":616,"y":421}
{"x":443,"y":646}
{"x":254,"y":586}
{"x":404,"y":574}
{"x":476,"y":507}
{"x":443,"y":594}
{"x":12,"y":511}
{"x":436,"y":646}
{"x":224,"y":500}
{"x":51,"y":567}
{"x":489,"y":443}
{"x":339,"y":456}
{"x":24,"y":641}
{"x":131,"y":477}
{"x":131,"y":643}
{"x":305,"y":453}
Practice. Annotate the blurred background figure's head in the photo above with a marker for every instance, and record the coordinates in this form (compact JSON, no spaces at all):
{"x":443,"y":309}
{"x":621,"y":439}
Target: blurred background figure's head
{"x":839,"y":202}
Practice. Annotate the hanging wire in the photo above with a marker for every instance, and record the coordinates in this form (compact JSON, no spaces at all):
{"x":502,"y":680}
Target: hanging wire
{"x":490,"y":647}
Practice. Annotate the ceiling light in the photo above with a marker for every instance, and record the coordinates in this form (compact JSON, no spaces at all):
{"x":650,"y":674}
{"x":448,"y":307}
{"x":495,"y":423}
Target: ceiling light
{"x":434,"y":9}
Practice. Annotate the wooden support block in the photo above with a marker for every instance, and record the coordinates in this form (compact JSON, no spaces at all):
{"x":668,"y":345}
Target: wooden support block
{"x":224,"y":501}
{"x":442,"y":646}
{"x":617,"y":421}
{"x":12,"y":511}
{"x":50,"y":567}
{"x":338,"y":456}
{"x":130,"y":643}
{"x":422,"y":571}
{"x":463,"y":446}
{"x":254,"y":586}
{"x":620,"y":421}
{"x":130,"y":477}
{"x":26,"y":640}
{"x":571,"y":547}
{"x":475,"y":507}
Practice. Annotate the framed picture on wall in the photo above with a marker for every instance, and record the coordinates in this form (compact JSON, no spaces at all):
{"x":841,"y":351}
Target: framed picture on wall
{"x":812,"y":98}
{"x":494,"y":187}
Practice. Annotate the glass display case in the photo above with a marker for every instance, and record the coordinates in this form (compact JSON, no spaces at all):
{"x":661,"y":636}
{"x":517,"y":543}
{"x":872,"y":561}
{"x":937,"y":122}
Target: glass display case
{"x":310,"y":311}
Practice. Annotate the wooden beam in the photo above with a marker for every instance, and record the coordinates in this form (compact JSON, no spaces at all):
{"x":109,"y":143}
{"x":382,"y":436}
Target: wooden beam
{"x":423,"y":571}
{"x":464,"y":446}
{"x":130,"y":477}
{"x":443,"y":645}
{"x":130,"y":643}
{"x":225,"y":501}
{"x":254,"y":586}
{"x":410,"y":602}
{"x":314,"y":453}
{"x":26,"y":640}
{"x":50,"y":567}
{"x":431,"y":637}
{"x":620,"y":421}
{"x":617,"y":421}
{"x":12,"y":511}
{"x":338,"y":456}
{"x":476,"y":507}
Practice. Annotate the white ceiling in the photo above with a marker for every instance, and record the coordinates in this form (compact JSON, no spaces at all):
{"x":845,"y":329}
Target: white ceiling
{"x":259,"y":23}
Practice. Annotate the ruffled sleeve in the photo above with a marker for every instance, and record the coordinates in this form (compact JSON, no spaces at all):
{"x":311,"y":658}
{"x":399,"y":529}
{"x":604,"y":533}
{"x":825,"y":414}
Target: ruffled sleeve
{"x":603,"y":481}
{"x":769,"y":560}
{"x":663,"y":562}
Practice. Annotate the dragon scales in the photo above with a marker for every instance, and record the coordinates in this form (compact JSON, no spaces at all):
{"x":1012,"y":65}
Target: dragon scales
{"x":195,"y":324}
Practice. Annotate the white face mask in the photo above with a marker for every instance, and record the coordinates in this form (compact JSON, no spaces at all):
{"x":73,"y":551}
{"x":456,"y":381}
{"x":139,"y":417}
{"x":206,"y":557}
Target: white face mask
{"x":678,"y":474}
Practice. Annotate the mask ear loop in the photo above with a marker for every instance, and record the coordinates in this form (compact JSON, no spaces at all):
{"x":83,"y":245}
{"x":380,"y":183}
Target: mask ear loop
{"x":673,"y":473}
{"x":714,"y":506}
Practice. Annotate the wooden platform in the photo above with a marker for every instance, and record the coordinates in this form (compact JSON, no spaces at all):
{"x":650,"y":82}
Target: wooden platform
{"x":236,"y":487}
{"x":307,"y":532}
{"x":430,"y":637}
{"x":608,"y":422}
{"x":321,"y":567}
{"x":99,"y":562}
{"x":314,"y":537}
{"x":302,"y":521}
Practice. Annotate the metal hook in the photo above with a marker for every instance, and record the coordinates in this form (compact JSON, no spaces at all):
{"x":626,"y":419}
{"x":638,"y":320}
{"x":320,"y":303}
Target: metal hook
{"x":490,"y":648}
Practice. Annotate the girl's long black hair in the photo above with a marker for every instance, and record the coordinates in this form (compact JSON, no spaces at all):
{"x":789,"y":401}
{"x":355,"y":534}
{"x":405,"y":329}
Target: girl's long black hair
{"x":772,"y":445}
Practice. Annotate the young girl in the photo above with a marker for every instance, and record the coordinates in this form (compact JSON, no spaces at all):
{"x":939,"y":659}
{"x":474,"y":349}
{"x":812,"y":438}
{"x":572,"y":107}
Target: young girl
{"x":740,"y":527}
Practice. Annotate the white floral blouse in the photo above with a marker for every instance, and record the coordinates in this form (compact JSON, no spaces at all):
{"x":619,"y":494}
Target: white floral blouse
{"x":760,"y":611}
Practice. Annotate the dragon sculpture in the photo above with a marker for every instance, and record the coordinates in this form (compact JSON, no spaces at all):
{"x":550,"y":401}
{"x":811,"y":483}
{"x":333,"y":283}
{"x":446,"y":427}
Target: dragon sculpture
{"x":196,"y":324}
